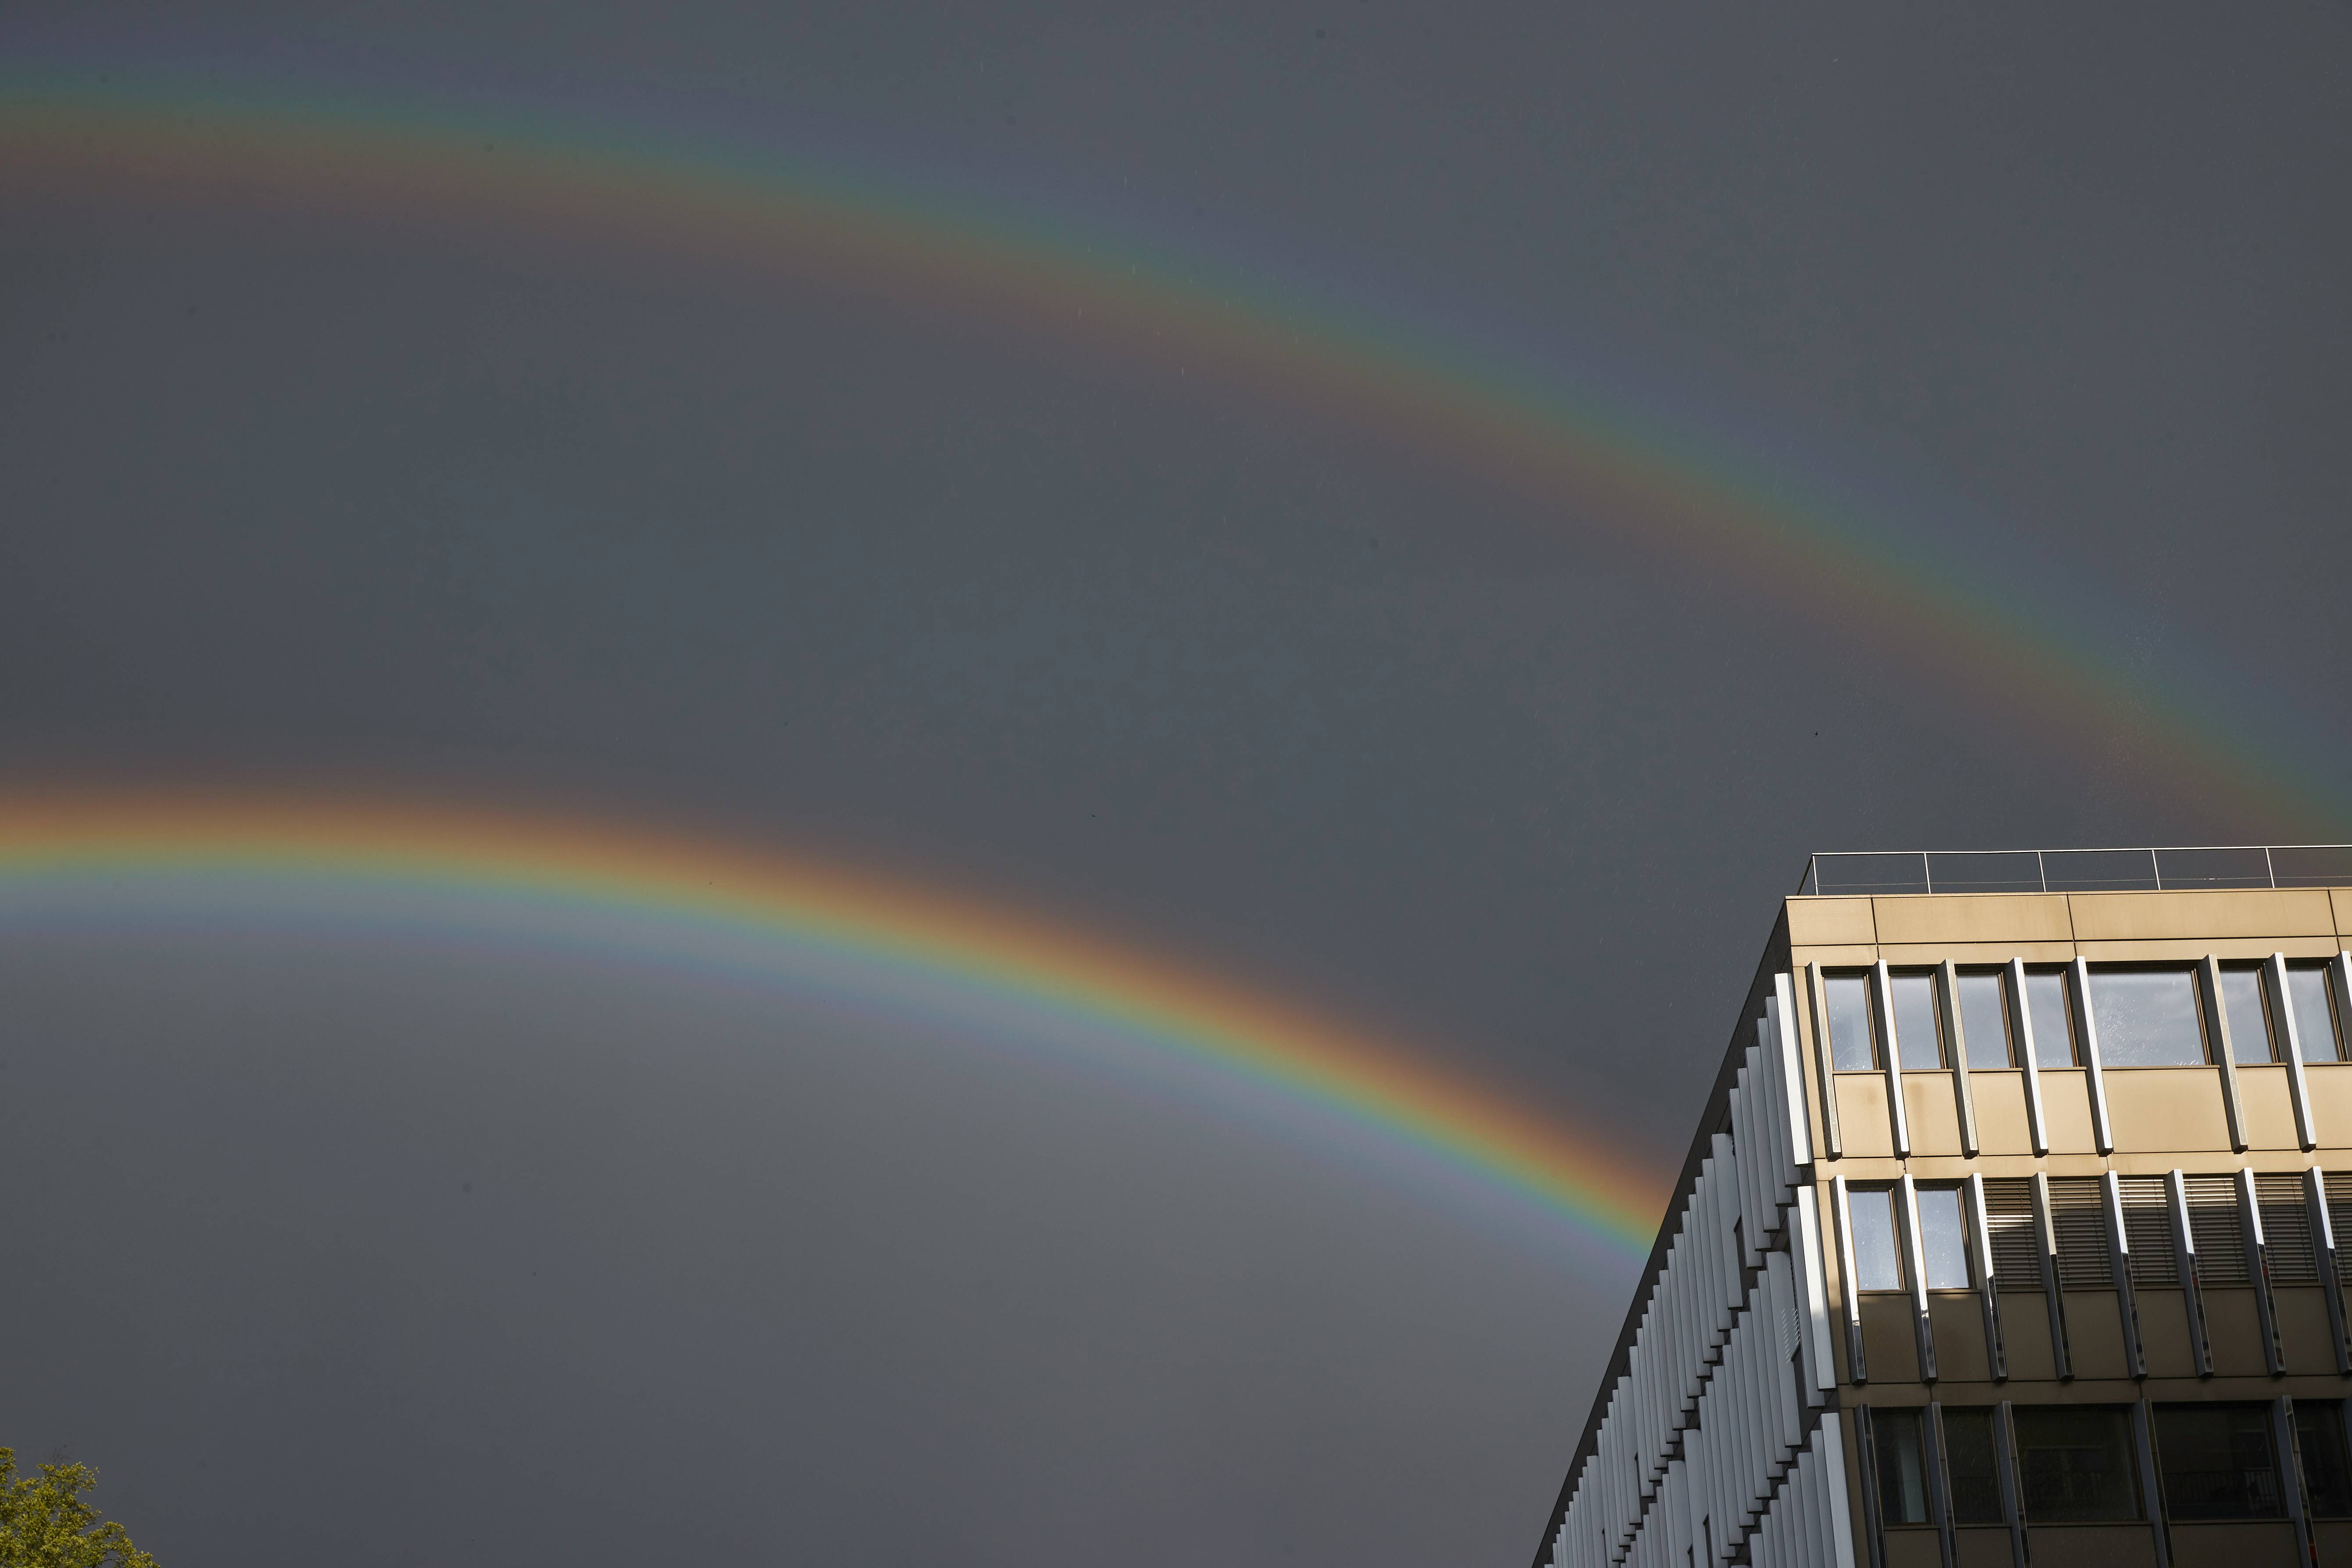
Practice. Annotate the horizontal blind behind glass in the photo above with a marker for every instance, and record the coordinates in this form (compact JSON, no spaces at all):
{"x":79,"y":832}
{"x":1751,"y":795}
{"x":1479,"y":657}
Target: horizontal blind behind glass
{"x":2008,"y":1217}
{"x":2213,"y":1224}
{"x":2079,"y":1215}
{"x":2286,"y":1228}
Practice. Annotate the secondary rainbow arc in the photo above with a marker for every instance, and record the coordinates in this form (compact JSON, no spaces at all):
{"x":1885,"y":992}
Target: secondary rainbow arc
{"x":60,"y":849}
{"x":375,"y":153}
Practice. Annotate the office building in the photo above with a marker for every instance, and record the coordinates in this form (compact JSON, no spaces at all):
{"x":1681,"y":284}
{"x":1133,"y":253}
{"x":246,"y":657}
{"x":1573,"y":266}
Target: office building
{"x":2009,"y":1233}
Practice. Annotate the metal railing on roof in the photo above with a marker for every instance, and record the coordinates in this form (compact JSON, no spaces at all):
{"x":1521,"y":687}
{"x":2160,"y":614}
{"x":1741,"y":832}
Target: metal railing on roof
{"x":2181,"y":867}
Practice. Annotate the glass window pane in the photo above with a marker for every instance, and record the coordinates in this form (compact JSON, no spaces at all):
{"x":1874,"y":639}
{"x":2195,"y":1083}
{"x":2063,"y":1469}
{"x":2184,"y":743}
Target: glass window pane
{"x":1848,"y":1003}
{"x":1984,"y":1020}
{"x":2217,"y":1461}
{"x":1943,"y":1240}
{"x":1918,"y":1038}
{"x":2146,"y":1018}
{"x":2250,"y":1021}
{"x":1877,"y":1266}
{"x":1968,"y":1454}
{"x":2314,"y":1021}
{"x":2053,"y":1025}
{"x":2326,"y":1459}
{"x":1902,"y":1478}
{"x":2076,"y":1463}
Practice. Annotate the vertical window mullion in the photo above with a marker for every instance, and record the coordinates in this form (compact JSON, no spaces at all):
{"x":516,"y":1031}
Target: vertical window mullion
{"x":1817,"y":995}
{"x":1857,"y":1366}
{"x":1882,"y":1013}
{"x":2045,"y":1229}
{"x":2298,"y":1088}
{"x":1933,"y":1458}
{"x":1980,"y":1225}
{"x":2119,"y":1264}
{"x":2290,"y":1465}
{"x":1907,"y":1221}
{"x":2150,"y":1488}
{"x":2012,"y":1488}
{"x":2192,"y":1290}
{"x":2218,"y":1047}
{"x":1955,"y":1044}
{"x":2020,"y":1014}
{"x":2322,"y":1259}
{"x":2086,"y":1033}
{"x":2258,"y":1272}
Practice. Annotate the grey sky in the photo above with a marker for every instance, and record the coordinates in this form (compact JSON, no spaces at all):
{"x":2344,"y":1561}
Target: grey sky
{"x":295,"y":498}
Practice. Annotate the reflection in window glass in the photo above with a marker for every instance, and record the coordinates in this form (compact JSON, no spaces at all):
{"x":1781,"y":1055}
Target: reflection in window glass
{"x":2314,"y":1016}
{"x":2054,"y":1022}
{"x":2326,"y":1463}
{"x":1969,"y":1454}
{"x":2146,"y":1018}
{"x":1877,"y":1265}
{"x":2250,"y":1021}
{"x":1918,"y":1038}
{"x":1943,"y":1240}
{"x":1848,"y":1003}
{"x":1902,"y":1477}
{"x":2217,"y":1461}
{"x":2076,"y":1463}
{"x":1984,"y":1020}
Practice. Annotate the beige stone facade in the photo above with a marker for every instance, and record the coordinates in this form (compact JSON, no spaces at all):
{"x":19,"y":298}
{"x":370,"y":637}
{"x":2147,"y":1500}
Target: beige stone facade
{"x":2009,"y":1235}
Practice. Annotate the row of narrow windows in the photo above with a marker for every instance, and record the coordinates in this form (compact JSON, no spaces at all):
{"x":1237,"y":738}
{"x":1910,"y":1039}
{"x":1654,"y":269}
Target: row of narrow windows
{"x":2076,"y":1464}
{"x":2147,"y":1016}
{"x":2079,"y":1223}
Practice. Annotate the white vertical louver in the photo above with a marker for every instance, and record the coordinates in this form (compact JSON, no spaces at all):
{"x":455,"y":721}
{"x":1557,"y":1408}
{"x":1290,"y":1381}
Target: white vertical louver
{"x":1704,"y":1449}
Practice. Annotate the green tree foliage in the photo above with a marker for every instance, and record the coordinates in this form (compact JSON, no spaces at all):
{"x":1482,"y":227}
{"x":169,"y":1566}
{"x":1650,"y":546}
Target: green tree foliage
{"x":45,"y":1523}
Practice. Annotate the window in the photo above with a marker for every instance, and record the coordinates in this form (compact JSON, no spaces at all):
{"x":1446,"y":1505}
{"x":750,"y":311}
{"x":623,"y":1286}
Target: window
{"x":1877,"y":1261}
{"x":2076,"y":1463}
{"x":1974,"y":1464}
{"x":1983,"y":1007}
{"x":1902,"y":1475}
{"x":2249,"y":1015}
{"x":1852,"y":1047}
{"x":1943,"y":1238}
{"x":2053,"y":1020}
{"x":2315,"y":1011}
{"x":2217,"y":1461}
{"x":2146,"y":1018}
{"x":2327,"y":1458}
{"x":1918,"y":1035}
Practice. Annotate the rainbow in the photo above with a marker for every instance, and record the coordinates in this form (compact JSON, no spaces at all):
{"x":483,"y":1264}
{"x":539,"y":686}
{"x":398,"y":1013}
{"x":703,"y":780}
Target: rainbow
{"x":656,"y":900}
{"x":385,"y":160}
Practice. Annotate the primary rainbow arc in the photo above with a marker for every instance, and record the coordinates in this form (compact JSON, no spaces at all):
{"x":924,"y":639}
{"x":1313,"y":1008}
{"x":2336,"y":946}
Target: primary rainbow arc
{"x":98,"y":849}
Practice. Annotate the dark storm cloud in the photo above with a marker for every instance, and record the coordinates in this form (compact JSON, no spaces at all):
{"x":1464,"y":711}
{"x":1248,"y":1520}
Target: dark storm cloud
{"x":299,"y":498}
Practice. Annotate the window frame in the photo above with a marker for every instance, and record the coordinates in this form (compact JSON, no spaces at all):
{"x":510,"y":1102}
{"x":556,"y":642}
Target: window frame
{"x":2068,"y":1003}
{"x":1878,"y":1047}
{"x":2199,"y":1008}
{"x":1958,"y":1192}
{"x":1894,"y":1050}
{"x":1999,"y":975}
{"x":2339,"y":1033}
{"x":2265,"y":1425}
{"x":1893,"y":1193}
{"x":2273,"y":1047}
{"x":2021,"y":1418}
